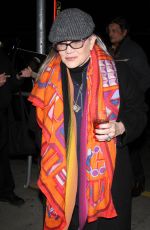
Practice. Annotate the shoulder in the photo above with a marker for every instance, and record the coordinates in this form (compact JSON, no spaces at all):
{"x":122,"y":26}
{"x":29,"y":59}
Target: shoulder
{"x":133,"y":47}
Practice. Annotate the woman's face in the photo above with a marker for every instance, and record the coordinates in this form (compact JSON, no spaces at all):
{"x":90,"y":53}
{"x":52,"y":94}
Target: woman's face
{"x":76,"y":57}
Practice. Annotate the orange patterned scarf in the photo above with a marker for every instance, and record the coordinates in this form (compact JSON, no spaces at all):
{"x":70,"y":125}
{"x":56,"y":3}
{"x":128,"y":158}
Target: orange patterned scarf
{"x":58,"y":174}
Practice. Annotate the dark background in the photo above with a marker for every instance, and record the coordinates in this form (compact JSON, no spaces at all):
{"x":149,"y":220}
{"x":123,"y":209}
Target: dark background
{"x":18,"y":19}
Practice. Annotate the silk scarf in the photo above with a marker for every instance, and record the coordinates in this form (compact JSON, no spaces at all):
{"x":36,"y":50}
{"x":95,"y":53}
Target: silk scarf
{"x":58,"y":177}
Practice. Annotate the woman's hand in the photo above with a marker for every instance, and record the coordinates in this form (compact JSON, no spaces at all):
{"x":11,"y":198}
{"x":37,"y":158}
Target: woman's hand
{"x":109,"y":130}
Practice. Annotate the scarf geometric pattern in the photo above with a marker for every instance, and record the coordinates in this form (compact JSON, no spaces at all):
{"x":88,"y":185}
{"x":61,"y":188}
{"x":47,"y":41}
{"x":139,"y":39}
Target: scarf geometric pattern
{"x":99,"y":161}
{"x":58,"y":175}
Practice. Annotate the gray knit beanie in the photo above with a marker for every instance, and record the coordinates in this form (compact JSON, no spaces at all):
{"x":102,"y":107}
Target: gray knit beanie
{"x":71,"y":24}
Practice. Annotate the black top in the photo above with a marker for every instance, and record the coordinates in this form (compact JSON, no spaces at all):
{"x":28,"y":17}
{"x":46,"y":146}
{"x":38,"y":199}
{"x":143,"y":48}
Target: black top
{"x":78,"y":76}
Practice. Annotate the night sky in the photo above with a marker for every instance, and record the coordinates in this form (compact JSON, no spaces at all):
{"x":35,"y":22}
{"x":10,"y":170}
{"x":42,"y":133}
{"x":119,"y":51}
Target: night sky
{"x":18,"y":18}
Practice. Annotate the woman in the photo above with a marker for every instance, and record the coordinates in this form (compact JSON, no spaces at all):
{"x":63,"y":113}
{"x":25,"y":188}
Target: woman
{"x":85,"y":168}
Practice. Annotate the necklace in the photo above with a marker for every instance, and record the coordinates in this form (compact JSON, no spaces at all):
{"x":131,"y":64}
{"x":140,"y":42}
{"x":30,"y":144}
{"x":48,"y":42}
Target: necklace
{"x":76,"y":106}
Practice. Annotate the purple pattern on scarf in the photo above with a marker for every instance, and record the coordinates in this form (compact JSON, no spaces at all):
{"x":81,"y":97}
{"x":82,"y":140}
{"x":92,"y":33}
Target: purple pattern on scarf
{"x":82,"y":172}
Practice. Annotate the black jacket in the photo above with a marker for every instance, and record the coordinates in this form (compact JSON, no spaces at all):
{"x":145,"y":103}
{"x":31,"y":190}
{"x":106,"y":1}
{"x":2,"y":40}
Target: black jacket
{"x":133,"y":54}
{"x":133,"y":109}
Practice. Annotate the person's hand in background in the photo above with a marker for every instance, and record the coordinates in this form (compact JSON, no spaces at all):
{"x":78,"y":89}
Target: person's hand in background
{"x":3,"y":79}
{"x":26,"y":72}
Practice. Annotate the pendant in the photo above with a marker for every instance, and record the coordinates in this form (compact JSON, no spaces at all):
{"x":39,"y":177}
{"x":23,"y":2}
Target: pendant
{"x":76,"y":108}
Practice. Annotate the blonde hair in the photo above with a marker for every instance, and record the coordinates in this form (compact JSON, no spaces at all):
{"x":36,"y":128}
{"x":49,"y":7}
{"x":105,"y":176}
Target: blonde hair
{"x":49,"y":57}
{"x":101,"y":44}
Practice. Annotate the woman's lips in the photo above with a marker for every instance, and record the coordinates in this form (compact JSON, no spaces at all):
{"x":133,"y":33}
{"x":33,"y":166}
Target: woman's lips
{"x":70,"y":58}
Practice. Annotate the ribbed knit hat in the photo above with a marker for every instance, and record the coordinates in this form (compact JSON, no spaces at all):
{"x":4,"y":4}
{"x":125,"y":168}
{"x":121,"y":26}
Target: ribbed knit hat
{"x":71,"y":24}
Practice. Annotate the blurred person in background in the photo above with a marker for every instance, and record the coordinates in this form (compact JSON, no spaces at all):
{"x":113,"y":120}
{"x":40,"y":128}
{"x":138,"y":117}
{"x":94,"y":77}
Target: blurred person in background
{"x":124,"y":49}
{"x":8,"y":85}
